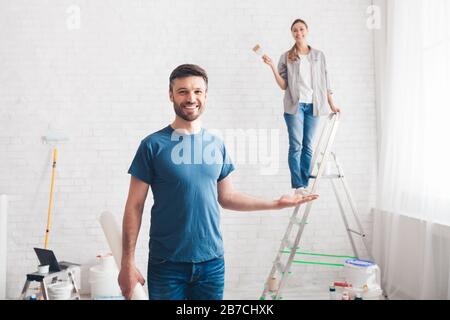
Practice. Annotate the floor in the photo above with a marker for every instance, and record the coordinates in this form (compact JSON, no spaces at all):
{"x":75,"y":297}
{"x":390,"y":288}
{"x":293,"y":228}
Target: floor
{"x":255,"y":293}
{"x":312,"y":293}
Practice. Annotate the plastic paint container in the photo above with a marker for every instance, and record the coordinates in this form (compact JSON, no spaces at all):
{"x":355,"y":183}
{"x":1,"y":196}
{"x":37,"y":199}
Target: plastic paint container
{"x":43,"y":268}
{"x":103,"y":278}
{"x":60,"y":290}
{"x":361,"y":273}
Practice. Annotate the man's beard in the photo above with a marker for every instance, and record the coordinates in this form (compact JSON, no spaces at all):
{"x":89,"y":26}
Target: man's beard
{"x":179,"y":110}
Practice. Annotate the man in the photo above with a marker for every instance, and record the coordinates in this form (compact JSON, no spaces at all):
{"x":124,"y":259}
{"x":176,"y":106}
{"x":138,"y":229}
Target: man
{"x":188,"y":170}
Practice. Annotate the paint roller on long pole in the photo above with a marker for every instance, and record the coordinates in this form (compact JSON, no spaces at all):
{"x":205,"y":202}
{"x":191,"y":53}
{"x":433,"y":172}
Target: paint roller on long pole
{"x":52,"y":186}
{"x":52,"y":138}
{"x":114,"y":237}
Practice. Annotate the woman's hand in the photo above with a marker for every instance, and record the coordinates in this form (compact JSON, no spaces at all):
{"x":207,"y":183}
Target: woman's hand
{"x":267,"y":60}
{"x":335,"y":109}
{"x":282,"y":83}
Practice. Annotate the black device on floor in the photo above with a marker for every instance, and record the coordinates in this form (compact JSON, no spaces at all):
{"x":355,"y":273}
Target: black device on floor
{"x":47,"y":257}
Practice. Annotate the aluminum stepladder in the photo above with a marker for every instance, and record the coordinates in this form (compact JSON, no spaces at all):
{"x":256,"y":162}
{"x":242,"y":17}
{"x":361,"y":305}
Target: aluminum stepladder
{"x":321,"y":157}
{"x":51,"y":278}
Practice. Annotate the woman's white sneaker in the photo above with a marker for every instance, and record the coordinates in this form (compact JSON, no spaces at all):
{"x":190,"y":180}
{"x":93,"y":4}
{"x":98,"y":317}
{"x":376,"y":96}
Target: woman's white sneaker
{"x":302,"y":191}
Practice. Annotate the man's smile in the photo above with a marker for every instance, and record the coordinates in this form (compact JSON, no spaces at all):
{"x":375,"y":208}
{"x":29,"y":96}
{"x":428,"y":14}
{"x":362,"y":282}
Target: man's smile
{"x":190,"y":107}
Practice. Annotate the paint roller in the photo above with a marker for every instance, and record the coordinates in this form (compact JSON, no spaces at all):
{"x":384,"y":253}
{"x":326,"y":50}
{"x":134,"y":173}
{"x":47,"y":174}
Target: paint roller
{"x":54,"y":137}
{"x":114,"y":237}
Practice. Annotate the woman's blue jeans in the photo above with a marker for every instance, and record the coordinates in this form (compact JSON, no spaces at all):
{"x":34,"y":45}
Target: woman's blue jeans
{"x":301,"y":128}
{"x":168,"y":280}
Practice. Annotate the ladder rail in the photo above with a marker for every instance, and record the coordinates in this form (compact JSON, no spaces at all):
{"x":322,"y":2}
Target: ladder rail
{"x":344,"y":218}
{"x":279,"y":252}
{"x":326,"y":152}
{"x":293,"y":252}
{"x":355,"y":215}
{"x":321,"y":138}
{"x":354,"y":209}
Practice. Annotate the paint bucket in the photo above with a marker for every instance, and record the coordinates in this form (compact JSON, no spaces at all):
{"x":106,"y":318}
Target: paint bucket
{"x":43,"y":268}
{"x":60,"y":290}
{"x":362,"y":274}
{"x":103,"y":278}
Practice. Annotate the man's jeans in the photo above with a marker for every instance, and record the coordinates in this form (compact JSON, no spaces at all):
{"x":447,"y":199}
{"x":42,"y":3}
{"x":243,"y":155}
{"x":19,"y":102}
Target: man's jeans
{"x":301,"y":128}
{"x":186,"y":281}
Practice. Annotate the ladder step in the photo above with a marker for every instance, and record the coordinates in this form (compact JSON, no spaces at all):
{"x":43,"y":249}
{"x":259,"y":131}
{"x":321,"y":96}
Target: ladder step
{"x":319,"y":263}
{"x":327,"y":176}
{"x":288,"y":244}
{"x":321,"y":254}
{"x":297,"y":221}
{"x":280,"y":267}
{"x":356,"y":232}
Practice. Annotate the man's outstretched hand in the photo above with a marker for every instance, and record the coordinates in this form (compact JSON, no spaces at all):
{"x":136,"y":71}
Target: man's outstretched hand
{"x":287,"y":201}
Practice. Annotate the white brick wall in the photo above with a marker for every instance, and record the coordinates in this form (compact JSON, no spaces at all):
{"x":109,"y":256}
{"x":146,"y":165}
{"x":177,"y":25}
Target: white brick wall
{"x":105,"y":86}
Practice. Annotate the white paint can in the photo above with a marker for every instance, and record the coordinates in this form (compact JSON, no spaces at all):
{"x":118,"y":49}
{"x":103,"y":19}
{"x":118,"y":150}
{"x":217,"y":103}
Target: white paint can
{"x":362,"y":274}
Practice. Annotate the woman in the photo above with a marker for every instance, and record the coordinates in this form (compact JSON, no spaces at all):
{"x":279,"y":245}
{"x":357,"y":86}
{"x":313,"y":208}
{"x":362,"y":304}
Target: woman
{"x":302,"y":73}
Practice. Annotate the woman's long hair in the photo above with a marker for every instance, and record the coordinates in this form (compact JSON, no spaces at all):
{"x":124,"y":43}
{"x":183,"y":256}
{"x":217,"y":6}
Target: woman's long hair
{"x":293,"y":54}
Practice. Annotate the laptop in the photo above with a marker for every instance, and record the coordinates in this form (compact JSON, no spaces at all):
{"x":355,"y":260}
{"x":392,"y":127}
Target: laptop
{"x":47,"y":257}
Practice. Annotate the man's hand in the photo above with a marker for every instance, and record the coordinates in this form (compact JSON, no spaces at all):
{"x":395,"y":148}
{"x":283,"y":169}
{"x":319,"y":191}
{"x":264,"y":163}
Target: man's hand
{"x":287,"y":201}
{"x":129,"y":277}
{"x":238,"y":201}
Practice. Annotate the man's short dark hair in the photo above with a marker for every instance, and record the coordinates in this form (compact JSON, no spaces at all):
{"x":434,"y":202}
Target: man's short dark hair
{"x":188,"y":70}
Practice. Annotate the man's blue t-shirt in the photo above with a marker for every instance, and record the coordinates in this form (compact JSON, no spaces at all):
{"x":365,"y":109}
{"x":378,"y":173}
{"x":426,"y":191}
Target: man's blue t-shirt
{"x":183,"y":171}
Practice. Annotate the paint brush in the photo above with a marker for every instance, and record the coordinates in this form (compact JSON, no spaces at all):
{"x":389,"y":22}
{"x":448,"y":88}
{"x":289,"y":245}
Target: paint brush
{"x":257,"y":49}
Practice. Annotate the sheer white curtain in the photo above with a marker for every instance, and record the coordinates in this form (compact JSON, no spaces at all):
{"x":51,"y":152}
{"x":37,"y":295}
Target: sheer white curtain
{"x":412,"y":220}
